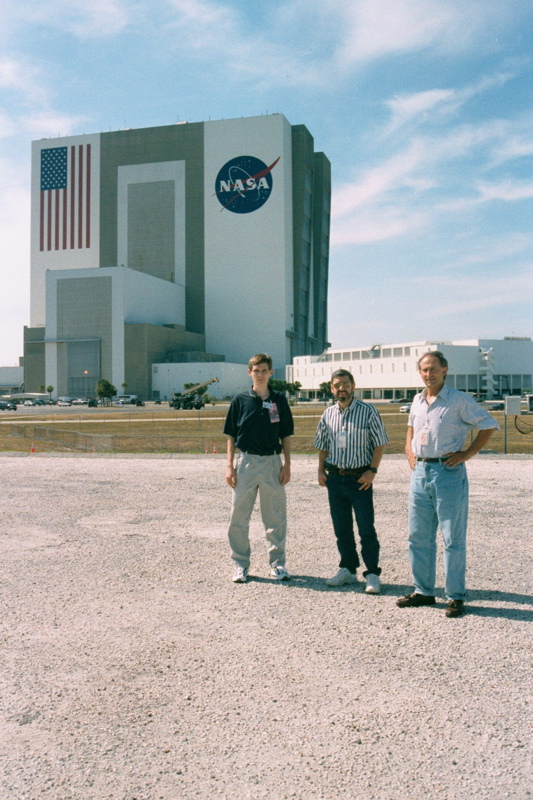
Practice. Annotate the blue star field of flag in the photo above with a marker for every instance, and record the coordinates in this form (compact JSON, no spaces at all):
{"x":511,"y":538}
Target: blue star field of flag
{"x":53,"y":168}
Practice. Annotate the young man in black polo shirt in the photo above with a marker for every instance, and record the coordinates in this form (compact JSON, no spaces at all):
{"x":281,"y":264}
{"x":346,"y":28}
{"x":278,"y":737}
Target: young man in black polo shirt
{"x":259,"y":423}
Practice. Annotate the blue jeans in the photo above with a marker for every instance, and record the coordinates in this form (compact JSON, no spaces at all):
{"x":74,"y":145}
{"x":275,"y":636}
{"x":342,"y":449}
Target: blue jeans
{"x":345,"y":495}
{"x":438,"y":498}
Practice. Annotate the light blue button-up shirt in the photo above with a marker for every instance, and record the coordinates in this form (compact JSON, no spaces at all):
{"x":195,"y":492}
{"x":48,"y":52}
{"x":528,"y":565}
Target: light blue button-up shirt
{"x":441,"y":427}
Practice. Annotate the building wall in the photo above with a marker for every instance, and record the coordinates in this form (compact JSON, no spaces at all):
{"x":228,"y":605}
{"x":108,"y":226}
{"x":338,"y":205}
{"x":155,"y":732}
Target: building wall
{"x":248,"y":256}
{"x":311,"y":213}
{"x":146,"y":344}
{"x":131,"y":161}
{"x":11,"y":378}
{"x":65,"y":221}
{"x":147,"y":201}
{"x":34,"y":359}
{"x":390,"y":370}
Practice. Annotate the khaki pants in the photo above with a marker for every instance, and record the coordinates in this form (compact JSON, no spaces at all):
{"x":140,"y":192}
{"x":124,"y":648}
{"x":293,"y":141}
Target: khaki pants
{"x":258,"y":473}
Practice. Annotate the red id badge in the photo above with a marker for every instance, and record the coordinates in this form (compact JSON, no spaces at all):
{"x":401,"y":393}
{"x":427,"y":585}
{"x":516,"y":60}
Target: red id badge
{"x":272,"y":411}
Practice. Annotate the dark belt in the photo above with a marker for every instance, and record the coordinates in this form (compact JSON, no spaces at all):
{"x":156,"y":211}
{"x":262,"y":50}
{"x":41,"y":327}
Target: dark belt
{"x":431,"y":460}
{"x":331,"y":468}
{"x":257,"y":453}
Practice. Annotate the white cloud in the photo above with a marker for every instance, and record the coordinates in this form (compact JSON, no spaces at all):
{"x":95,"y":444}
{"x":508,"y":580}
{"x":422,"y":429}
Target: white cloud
{"x":433,"y":105}
{"x":376,"y":28}
{"x":461,"y":294}
{"x":508,"y":190}
{"x":97,"y":18}
{"x":216,"y":33}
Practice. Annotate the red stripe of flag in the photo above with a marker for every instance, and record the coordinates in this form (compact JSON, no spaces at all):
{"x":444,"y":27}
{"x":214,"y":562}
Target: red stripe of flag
{"x":88,"y":199}
{"x":80,"y":199}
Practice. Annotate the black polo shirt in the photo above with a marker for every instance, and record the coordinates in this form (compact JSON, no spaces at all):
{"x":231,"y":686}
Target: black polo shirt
{"x":250,"y":422}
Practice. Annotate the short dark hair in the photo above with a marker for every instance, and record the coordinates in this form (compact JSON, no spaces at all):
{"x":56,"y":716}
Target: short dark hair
{"x":342,"y":373}
{"x":260,"y":358}
{"x":436,"y":354}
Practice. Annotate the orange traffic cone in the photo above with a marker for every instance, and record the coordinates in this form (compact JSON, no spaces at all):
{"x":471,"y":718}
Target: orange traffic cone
{"x":206,"y":449}
{"x":32,"y":449}
{"x":214,"y":448}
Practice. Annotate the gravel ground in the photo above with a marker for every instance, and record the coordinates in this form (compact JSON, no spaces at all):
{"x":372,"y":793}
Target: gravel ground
{"x":134,"y":669}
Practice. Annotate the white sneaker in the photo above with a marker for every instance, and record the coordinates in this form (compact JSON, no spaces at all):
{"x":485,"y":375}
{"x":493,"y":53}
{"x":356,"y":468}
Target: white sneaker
{"x":373,"y":584}
{"x":342,"y":576}
{"x":279,"y":573}
{"x":240,"y":575}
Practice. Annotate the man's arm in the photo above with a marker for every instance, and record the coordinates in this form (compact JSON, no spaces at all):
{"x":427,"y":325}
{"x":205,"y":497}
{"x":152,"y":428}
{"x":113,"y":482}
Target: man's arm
{"x":231,"y":475}
{"x":453,"y":459}
{"x":322,"y":475}
{"x":367,"y":477}
{"x":409,"y":448}
{"x":285,"y":474}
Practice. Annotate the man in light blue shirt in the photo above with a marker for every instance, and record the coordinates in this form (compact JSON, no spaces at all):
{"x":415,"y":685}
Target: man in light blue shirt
{"x":439,"y":421}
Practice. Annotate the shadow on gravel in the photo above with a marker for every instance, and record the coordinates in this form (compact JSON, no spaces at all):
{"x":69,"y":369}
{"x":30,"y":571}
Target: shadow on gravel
{"x":397,"y":590}
{"x":501,"y":613}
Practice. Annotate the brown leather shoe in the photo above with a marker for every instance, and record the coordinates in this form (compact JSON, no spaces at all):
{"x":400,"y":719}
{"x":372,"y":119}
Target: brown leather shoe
{"x":454,"y":608}
{"x":415,"y":599}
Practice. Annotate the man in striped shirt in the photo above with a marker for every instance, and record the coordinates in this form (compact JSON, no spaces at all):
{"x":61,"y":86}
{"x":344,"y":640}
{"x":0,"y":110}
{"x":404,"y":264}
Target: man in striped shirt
{"x":351,"y":439}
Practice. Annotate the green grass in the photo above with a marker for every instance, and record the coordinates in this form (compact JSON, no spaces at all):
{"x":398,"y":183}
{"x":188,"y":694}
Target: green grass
{"x":166,"y":430}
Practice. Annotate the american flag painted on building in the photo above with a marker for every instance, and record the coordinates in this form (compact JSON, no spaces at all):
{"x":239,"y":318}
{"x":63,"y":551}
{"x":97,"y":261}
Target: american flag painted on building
{"x":65,"y":206}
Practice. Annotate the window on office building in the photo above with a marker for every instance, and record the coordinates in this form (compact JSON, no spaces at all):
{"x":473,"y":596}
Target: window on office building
{"x":346,"y":356}
{"x":460,"y":382}
{"x":386,"y":352}
{"x":356,"y":355}
{"x":472,"y":383}
{"x":336,"y":356}
{"x":397,"y":351}
{"x":407,"y":351}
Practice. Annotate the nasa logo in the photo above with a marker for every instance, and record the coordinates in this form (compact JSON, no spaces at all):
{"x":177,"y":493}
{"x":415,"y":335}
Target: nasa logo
{"x":244,"y":184}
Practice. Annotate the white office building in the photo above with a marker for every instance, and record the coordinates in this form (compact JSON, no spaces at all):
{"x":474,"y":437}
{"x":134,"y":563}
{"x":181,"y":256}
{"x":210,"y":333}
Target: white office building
{"x":488,"y":367}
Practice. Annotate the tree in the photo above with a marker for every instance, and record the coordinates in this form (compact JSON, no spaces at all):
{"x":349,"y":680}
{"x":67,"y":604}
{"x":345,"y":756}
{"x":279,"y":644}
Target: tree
{"x":50,"y":389}
{"x":124,"y":386}
{"x":294,"y":388}
{"x":105,"y":390}
{"x":277,"y":385}
{"x":324,"y":389}
{"x":200,"y":391}
{"x":42,"y":388}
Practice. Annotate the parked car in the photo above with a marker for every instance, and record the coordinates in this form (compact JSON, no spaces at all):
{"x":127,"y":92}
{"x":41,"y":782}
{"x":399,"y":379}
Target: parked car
{"x":7,"y":405}
{"x":92,"y":403}
{"x":79,"y":402}
{"x":63,"y":403}
{"x":406,"y":408}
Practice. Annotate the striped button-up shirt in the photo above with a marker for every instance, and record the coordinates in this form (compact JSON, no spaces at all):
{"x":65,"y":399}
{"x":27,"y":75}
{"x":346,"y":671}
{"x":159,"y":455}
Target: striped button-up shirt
{"x":350,"y":435}
{"x":441,"y":428}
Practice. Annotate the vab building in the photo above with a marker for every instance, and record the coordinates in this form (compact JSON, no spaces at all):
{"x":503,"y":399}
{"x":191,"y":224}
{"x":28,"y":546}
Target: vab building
{"x":193,"y":242}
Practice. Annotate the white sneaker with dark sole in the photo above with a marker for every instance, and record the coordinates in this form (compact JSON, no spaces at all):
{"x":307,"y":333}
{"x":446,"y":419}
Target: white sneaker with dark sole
{"x":373,"y":584}
{"x":279,"y":573}
{"x":240,"y":575}
{"x":341,"y":577}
